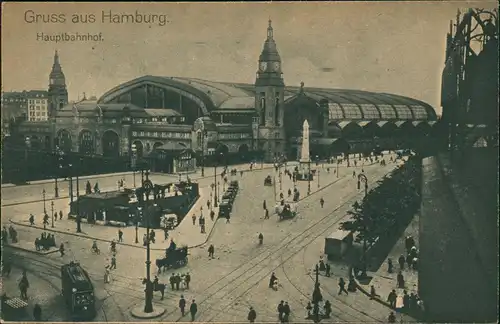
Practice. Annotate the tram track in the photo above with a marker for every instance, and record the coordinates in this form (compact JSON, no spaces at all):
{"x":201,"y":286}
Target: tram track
{"x":315,"y":230}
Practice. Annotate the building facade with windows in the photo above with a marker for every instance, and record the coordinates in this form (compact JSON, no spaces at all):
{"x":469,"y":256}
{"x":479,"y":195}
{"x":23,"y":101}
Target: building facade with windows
{"x":245,"y":121}
{"x":38,"y":105}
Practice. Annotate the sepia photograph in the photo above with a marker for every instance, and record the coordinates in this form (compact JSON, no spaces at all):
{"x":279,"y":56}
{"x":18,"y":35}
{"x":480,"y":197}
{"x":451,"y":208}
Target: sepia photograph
{"x":266,"y":162}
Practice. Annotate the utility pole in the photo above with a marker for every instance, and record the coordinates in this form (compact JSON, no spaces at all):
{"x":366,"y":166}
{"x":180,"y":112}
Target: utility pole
{"x":364,"y":179}
{"x":52,"y":212}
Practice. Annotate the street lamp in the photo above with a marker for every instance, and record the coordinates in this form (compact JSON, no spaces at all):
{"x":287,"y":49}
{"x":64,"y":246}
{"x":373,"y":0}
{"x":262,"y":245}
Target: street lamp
{"x":215,"y":177}
{"x":364,"y":179}
{"x":44,"y":207}
{"x":58,"y":167}
{"x":133,"y":148}
{"x":203,"y":136}
{"x":316,"y":297}
{"x":78,"y":217}
{"x":52,"y":212}
{"x":148,"y":306}
{"x":318,"y":178}
{"x":27,"y":141}
{"x":137,"y":213}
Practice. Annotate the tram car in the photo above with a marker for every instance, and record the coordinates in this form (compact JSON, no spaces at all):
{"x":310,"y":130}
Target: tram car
{"x":268,"y":181}
{"x":224,"y":209}
{"x":78,"y":291}
{"x":173,"y":258}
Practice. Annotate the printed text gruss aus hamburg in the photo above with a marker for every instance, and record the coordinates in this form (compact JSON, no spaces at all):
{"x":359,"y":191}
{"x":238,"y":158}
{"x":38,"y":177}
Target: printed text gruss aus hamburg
{"x":69,"y":37}
{"x":106,"y":17}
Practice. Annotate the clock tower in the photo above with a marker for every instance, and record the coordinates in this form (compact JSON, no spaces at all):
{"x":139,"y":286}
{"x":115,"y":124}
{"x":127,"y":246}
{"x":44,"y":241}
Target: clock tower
{"x":58,"y":94}
{"x":269,"y":98}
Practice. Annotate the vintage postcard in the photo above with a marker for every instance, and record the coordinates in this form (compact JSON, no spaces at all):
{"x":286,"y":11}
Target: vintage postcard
{"x":249,"y":162}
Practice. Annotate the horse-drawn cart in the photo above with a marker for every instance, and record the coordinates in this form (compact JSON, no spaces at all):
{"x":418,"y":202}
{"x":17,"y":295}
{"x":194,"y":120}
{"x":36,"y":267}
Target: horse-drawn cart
{"x":286,"y":211}
{"x":174,"y":258}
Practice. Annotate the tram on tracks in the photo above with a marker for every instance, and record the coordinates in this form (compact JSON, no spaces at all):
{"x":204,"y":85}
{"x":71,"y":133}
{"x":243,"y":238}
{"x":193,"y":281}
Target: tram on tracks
{"x":78,"y":291}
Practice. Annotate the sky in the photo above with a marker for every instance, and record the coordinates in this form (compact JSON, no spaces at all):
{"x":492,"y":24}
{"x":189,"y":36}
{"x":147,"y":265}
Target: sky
{"x":394,"y":47}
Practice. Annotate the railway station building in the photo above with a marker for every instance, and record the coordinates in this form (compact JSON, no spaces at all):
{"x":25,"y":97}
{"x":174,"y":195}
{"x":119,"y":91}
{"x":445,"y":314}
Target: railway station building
{"x":163,"y":117}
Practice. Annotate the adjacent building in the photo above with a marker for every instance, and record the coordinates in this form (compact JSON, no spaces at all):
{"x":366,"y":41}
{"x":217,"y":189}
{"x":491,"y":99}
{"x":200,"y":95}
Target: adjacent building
{"x":38,"y":105}
{"x":163,"y":116}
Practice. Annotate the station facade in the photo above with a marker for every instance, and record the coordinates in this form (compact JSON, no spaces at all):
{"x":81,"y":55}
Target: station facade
{"x":161,"y":117}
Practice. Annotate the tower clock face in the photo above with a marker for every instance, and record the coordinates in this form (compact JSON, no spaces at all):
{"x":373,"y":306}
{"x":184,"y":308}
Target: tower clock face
{"x":263,"y":66}
{"x":276,"y":66}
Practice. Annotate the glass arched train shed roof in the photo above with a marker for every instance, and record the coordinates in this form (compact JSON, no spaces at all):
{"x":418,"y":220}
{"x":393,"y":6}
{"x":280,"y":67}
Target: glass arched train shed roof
{"x":343,"y":104}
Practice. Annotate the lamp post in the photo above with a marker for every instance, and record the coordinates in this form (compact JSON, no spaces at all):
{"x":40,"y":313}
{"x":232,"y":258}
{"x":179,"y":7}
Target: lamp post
{"x":338,"y":162}
{"x":58,"y":167}
{"x":44,"y":207}
{"x":137,"y":213}
{"x":70,"y":166}
{"x":52,"y":212}
{"x":316,"y":297}
{"x":148,"y":306}
{"x":78,"y":217}
{"x":364,"y":179}
{"x":318,"y":178}
{"x":27,"y":141}
{"x":133,"y":148}
{"x":215,"y":182}
{"x":203,"y":135}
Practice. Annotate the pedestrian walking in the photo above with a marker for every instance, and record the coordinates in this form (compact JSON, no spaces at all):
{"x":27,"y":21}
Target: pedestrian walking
{"x":401,"y":262}
{"x":286,"y":313}
{"x":280,"y":310}
{"x":194,"y":219}
{"x":391,"y":318}
{"x":55,"y":216}
{"x":211,"y":251}
{"x":342,"y":286}
{"x":193,"y":309}
{"x":373,"y":293}
{"x":187,"y":279}
{"x":61,"y":249}
{"x":400,"y":280}
{"x":113,"y":262}
{"x":177,"y":281}
{"x":406,"y":300}
{"x":37,"y":313}
{"x":32,"y":219}
{"x":327,"y":270}
{"x":120,"y":235}
{"x":172,"y":281}
{"x":308,"y":309}
{"x":252,"y":315}
{"x":390,"y":267}
{"x":208,"y":203}
{"x":60,"y":214}
{"x":321,"y":202}
{"x":107,"y":278}
{"x":212,"y":214}
{"x":391,"y":298}
{"x":182,"y":305}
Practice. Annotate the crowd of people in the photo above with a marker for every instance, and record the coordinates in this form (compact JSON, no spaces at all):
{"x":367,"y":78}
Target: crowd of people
{"x":9,"y":233}
{"x":45,"y":242}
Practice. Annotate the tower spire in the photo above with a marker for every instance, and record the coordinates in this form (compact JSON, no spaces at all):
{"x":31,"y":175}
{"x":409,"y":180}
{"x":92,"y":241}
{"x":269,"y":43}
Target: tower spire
{"x":56,"y":58}
{"x":270,"y":29}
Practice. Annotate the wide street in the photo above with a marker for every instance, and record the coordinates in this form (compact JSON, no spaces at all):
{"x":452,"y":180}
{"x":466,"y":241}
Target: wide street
{"x":237,"y":278}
